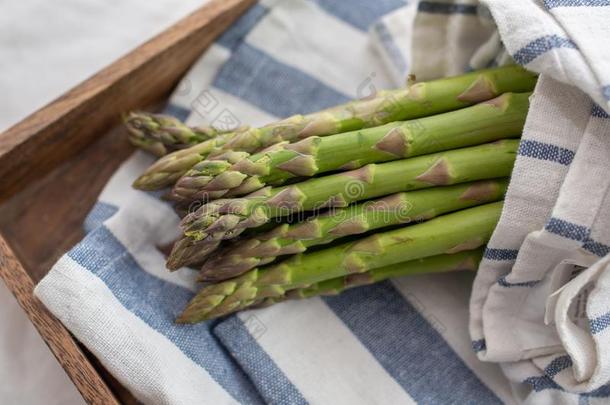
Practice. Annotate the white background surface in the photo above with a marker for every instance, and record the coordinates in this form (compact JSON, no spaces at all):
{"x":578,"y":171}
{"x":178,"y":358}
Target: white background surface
{"x":46,"y":47}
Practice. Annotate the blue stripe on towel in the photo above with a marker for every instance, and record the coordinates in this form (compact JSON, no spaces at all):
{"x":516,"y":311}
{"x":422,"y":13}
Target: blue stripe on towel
{"x":579,"y":233}
{"x":541,"y":45}
{"x":557,"y":365}
{"x":597,"y":248}
{"x":504,"y":283}
{"x":425,"y":366}
{"x":541,"y":383}
{"x":545,"y":151}
{"x":575,"y":3}
{"x":271,"y":382}
{"x":177,"y":111}
{"x":500,"y":254}
{"x":281,"y":90}
{"x":360,"y":13}
{"x":100,"y":212}
{"x":157,"y":303}
{"x":236,"y":33}
{"x":479,"y":345}
{"x":545,"y":382}
{"x":601,"y":392}
{"x":606,"y":92}
{"x":600,"y":323}
{"x":567,"y":229}
{"x":433,"y":7}
{"x":599,"y":112}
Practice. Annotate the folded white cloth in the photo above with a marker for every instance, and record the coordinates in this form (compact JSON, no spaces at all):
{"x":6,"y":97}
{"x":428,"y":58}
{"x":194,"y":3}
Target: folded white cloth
{"x":397,"y":342}
{"x":540,"y":300}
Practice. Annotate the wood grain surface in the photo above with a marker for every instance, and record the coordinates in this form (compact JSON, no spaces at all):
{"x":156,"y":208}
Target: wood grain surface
{"x":46,"y":218}
{"x":54,"y":163}
{"x":63,"y":128}
{"x":77,"y":366}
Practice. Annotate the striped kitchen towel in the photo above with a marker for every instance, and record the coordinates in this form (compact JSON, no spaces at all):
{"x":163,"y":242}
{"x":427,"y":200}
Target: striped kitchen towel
{"x":403,"y":341}
{"x":540,"y":303}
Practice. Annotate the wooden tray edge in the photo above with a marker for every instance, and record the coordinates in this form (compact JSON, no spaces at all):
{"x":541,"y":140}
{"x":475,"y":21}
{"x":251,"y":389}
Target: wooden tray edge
{"x":65,"y":126}
{"x":56,"y":336}
{"x":74,"y":121}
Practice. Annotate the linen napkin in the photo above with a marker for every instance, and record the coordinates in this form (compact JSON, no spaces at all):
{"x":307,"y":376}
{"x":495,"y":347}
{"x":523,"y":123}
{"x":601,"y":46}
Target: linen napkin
{"x":405,"y":340}
{"x":539,"y":304}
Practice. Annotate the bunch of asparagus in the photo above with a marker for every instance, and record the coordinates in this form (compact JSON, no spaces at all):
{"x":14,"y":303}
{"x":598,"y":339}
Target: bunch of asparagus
{"x":410,"y":181}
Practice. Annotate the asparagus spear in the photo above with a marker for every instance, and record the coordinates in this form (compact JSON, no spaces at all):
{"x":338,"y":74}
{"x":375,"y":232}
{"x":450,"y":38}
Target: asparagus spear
{"x":463,"y":261}
{"x":160,"y":134}
{"x":447,"y":234}
{"x":419,"y":100}
{"x":395,"y":209}
{"x":225,"y":219}
{"x":499,"y":118}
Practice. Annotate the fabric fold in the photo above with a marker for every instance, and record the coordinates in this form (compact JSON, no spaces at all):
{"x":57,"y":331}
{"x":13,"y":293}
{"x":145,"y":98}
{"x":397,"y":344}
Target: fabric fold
{"x":403,"y":341}
{"x":527,"y":310}
{"x":383,"y":344}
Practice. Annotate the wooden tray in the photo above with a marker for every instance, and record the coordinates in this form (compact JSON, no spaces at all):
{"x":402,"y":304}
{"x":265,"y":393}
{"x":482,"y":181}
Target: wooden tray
{"x":54,"y":164}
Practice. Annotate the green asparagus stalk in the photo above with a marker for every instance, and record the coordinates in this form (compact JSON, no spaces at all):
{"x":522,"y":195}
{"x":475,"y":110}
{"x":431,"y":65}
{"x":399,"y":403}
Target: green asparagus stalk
{"x":160,"y":134}
{"x":225,"y":219}
{"x":418,"y":100}
{"x":499,"y":118}
{"x":400,"y":208}
{"x":463,"y":261}
{"x":452,"y":233}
